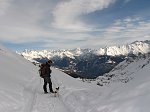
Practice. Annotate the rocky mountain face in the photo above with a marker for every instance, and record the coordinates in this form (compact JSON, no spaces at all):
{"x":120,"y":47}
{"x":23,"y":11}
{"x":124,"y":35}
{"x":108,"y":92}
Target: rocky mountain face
{"x":88,"y":63}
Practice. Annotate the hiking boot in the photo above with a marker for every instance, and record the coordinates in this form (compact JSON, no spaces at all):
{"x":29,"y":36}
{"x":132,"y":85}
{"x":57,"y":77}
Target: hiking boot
{"x":52,"y":91}
{"x":45,"y":92}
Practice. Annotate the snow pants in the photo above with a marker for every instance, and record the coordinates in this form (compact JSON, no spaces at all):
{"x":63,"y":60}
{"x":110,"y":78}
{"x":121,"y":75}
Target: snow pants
{"x":47,"y":80}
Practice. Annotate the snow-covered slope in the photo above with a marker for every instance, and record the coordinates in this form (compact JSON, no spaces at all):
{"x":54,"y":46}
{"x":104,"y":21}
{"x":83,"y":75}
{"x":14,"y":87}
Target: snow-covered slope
{"x":135,"y":48}
{"x":21,"y":89}
{"x":18,"y":81}
{"x":21,"y":86}
{"x":127,"y":70}
{"x":130,"y":87}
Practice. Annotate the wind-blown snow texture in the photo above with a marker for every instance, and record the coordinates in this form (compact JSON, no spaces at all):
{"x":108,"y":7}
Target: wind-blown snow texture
{"x":21,"y":89}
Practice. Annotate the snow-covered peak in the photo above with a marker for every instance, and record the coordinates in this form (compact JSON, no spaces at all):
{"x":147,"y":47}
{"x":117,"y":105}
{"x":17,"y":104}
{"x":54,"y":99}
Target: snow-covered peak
{"x":77,"y":51}
{"x":135,"y":48}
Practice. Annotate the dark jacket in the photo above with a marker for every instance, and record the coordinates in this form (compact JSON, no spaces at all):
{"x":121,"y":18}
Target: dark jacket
{"x":47,"y":70}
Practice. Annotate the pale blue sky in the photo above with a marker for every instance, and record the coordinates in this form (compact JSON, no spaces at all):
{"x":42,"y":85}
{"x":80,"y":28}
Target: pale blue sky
{"x":68,"y":24}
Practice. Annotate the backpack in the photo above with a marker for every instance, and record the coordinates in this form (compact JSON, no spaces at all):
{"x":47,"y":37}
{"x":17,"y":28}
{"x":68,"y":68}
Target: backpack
{"x":42,"y":70}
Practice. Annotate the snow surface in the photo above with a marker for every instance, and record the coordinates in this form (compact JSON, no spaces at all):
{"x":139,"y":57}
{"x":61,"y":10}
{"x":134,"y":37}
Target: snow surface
{"x":21,"y":90}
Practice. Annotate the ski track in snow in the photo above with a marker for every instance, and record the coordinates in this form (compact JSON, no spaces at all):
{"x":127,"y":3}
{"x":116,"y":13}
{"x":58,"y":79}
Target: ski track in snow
{"x":40,"y":102}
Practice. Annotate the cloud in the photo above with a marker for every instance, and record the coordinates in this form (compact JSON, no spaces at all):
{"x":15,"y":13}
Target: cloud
{"x":4,"y":4}
{"x":58,"y":23}
{"x":121,"y":31}
{"x":67,"y":14}
{"x":127,"y":30}
{"x":25,"y":20}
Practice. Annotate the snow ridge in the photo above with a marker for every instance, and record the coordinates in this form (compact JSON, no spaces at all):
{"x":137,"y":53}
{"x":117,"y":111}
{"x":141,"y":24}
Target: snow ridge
{"x":133,"y":48}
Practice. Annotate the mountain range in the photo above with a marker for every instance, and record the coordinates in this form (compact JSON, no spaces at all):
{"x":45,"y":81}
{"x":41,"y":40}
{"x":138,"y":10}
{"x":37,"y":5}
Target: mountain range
{"x":88,"y":63}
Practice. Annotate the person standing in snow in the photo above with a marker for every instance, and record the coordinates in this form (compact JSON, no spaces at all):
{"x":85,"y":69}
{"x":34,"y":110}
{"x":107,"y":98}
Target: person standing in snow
{"x":45,"y":74}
